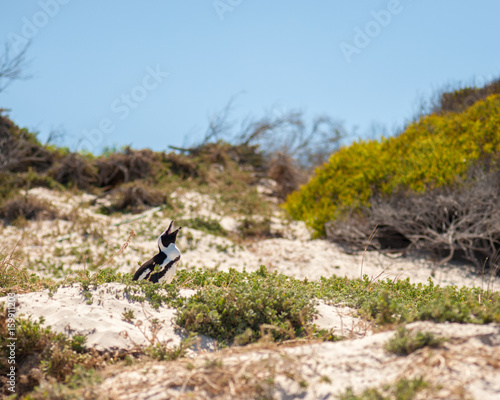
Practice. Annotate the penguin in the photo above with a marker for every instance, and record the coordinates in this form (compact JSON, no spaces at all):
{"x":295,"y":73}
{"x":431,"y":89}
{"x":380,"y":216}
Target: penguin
{"x":164,"y":261}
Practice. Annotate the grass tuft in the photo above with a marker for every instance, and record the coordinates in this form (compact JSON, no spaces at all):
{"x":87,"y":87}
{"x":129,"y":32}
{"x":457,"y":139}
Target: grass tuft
{"x":406,"y":342}
{"x":403,"y":389}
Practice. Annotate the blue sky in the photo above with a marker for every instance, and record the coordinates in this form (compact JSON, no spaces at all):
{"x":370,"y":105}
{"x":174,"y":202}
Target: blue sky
{"x":150,"y":73}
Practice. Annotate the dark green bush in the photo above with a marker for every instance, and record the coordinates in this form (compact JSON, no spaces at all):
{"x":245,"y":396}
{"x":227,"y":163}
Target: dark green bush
{"x":462,"y":98}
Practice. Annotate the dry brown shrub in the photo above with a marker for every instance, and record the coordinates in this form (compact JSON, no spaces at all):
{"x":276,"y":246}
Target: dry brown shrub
{"x":20,"y":151}
{"x":222,"y":152}
{"x":27,"y":207}
{"x":284,"y":171}
{"x":460,"y":99}
{"x":75,"y":169}
{"x":213,"y":153}
{"x":255,"y":228}
{"x":136,"y":198}
{"x":459,"y":222}
{"x":118,"y":168}
{"x":182,"y":165}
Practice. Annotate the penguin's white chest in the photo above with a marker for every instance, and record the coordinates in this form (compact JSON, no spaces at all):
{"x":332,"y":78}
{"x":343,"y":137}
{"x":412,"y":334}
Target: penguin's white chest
{"x":169,"y":275}
{"x":172,"y":253}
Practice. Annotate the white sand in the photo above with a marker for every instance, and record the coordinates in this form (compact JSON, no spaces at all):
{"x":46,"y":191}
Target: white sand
{"x":101,"y":319}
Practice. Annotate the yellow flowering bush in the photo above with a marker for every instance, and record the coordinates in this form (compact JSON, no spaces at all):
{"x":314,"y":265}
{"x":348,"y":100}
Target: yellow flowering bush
{"x":432,"y":152}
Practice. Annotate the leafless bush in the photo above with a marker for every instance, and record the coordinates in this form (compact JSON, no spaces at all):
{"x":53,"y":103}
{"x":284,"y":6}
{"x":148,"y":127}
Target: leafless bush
{"x":279,"y":145}
{"x":12,"y":64}
{"x":27,"y":207}
{"x":118,"y":168}
{"x":460,"y":222}
{"x":288,"y":134}
{"x":75,"y":169}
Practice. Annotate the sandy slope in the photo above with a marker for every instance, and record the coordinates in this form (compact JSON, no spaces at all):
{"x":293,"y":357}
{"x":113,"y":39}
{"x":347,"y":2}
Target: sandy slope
{"x":469,"y":362}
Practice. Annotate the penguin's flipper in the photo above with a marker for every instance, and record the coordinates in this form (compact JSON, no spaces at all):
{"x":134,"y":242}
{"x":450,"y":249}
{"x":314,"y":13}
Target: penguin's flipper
{"x":145,"y":271}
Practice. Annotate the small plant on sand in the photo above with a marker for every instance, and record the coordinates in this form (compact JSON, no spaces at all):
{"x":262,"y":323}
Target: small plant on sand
{"x":252,"y":227}
{"x":162,"y":352}
{"x":403,"y":389}
{"x":207,"y":225}
{"x":128,"y":315}
{"x":15,"y":278}
{"x":405,"y":342}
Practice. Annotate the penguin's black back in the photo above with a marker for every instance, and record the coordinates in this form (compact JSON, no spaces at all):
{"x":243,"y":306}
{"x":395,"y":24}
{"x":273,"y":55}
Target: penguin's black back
{"x":147,"y":269}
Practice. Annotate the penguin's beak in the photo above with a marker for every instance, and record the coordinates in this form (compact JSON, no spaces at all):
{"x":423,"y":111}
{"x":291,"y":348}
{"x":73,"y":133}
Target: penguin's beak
{"x":176,"y":231}
{"x":168,"y":231}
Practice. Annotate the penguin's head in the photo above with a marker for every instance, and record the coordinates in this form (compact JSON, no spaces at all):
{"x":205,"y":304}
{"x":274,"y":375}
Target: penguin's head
{"x":168,"y":237}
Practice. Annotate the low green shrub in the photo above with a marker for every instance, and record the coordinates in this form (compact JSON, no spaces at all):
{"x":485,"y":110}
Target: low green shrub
{"x":399,"y":301}
{"x":385,"y":301}
{"x":240,"y":308}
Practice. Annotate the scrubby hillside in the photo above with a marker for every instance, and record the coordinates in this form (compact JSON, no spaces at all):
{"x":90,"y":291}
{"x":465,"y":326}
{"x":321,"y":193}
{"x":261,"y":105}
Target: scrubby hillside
{"x":257,"y":308}
{"x":434,"y":186}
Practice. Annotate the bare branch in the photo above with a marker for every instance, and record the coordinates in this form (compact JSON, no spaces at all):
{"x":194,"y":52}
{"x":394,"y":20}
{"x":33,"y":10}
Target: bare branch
{"x":219,"y":124}
{"x":12,"y":65}
{"x":463,"y":221}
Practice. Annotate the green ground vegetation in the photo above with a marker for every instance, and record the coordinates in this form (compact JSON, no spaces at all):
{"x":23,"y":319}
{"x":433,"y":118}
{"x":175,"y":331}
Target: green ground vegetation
{"x":238,"y":308}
